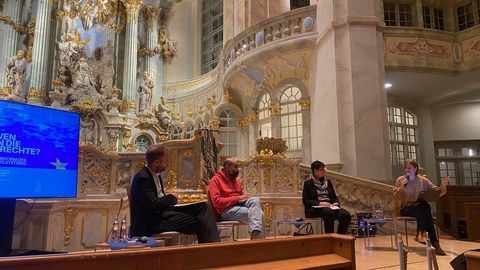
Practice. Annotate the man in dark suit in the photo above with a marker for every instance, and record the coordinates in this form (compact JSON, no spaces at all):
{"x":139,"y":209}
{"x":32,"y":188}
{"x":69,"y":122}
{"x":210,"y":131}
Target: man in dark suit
{"x":153,"y":211}
{"x":320,"y":200}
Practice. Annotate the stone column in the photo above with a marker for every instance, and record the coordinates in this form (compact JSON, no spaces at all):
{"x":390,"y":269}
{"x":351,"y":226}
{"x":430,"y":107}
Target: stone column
{"x":131,"y":50}
{"x":348,"y":101}
{"x":154,"y":62}
{"x":38,"y":82}
{"x":11,"y":9}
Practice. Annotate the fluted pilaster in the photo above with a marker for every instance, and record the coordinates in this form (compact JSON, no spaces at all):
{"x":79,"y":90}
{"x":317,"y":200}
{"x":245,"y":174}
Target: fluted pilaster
{"x":131,"y":49}
{"x":154,"y":63}
{"x":38,"y":83}
{"x":11,"y":8}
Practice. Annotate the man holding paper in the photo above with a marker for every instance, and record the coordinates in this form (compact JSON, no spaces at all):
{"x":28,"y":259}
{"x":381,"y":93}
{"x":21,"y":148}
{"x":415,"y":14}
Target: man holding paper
{"x":229,"y":203}
{"x":152,"y":211}
{"x":406,"y":193}
{"x":320,"y":200}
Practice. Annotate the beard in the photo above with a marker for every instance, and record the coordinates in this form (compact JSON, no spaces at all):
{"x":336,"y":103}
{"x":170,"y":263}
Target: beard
{"x":234,"y":174}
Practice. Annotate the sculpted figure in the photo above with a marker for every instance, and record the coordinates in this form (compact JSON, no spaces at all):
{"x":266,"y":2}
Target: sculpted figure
{"x":82,"y":74}
{"x":145,"y":93}
{"x":16,"y":72}
{"x":164,"y":115}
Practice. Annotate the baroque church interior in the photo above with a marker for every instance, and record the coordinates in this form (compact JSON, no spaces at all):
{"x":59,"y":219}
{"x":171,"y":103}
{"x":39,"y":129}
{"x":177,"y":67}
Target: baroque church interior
{"x":361,"y":85}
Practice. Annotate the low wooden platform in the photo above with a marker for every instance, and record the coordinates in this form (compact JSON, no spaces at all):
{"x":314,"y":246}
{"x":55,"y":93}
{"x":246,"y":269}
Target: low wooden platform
{"x":329,"y":251}
{"x":473,"y":259}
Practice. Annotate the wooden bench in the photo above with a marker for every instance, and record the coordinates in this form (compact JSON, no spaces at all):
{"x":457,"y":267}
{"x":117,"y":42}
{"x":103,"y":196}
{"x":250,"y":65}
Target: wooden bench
{"x":329,"y":251}
{"x":473,"y":259}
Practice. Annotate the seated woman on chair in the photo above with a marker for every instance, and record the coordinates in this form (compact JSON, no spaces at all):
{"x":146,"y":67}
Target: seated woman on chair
{"x":320,"y":200}
{"x":406,"y":191}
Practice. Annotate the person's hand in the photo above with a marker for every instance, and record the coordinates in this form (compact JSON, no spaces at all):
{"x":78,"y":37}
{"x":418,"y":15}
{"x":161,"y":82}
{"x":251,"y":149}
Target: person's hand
{"x":174,"y":194}
{"x":243,"y":197}
{"x":325,"y":204}
{"x":336,"y":204}
{"x":445,"y":181}
{"x":404,"y":182}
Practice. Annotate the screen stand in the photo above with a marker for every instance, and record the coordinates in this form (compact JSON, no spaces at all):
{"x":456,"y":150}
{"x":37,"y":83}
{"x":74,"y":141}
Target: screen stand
{"x":7,"y":218}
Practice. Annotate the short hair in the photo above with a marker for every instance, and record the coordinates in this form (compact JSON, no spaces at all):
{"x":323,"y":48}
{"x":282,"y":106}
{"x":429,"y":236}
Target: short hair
{"x":228,"y":162}
{"x":154,"y":152}
{"x":317,"y":165}
{"x":413,"y":162}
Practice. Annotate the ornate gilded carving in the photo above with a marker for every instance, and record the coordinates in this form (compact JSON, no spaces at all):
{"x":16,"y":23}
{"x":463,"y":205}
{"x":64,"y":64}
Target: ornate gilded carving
{"x":190,"y":112}
{"x":86,"y":107}
{"x":304,"y":104}
{"x":69,"y":214}
{"x":150,"y":52}
{"x":17,"y":26}
{"x":151,"y":15}
{"x":227,"y":96}
{"x":188,"y":153}
{"x":5,"y":91}
{"x":214,"y":124}
{"x":267,"y":210}
{"x":190,"y":85}
{"x":145,"y":122}
{"x":252,"y":117}
{"x":275,"y":110}
{"x":276,"y":145}
{"x":128,"y":105}
{"x":242,"y":123}
{"x":168,"y":45}
{"x":171,"y":185}
{"x":34,"y":93}
{"x":132,"y":8}
{"x":266,"y":162}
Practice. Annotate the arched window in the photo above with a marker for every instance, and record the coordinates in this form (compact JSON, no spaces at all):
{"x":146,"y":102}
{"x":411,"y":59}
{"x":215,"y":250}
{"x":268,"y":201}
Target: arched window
{"x":291,"y":118}
{"x":228,"y":132}
{"x":403,"y":134}
{"x":177,"y":133}
{"x":142,"y":143}
{"x":264,"y":120}
{"x":189,"y":131}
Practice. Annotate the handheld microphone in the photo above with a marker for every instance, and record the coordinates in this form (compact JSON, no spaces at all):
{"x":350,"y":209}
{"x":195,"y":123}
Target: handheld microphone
{"x":408,"y":178}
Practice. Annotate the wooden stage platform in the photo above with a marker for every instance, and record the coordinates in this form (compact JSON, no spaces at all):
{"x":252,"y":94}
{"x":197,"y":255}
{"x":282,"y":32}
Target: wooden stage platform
{"x":328,"y":251}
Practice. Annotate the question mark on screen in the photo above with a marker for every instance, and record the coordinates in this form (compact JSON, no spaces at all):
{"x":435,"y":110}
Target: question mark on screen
{"x":38,"y":151}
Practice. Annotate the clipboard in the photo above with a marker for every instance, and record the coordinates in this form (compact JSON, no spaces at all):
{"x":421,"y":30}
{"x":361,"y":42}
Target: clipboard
{"x":429,"y":196}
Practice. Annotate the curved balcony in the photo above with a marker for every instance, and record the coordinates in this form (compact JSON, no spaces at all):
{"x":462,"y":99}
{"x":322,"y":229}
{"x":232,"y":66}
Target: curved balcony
{"x":431,"y":50}
{"x":274,"y":31}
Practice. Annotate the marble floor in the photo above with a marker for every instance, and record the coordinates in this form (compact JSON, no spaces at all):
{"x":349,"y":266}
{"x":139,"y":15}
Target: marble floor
{"x":378,"y":253}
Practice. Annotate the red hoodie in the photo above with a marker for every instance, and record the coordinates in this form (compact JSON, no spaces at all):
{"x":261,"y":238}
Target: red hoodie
{"x":223,"y":192}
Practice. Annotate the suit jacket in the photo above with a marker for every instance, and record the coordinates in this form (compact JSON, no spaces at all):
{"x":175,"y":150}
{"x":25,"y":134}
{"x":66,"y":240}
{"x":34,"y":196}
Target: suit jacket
{"x":310,"y":195}
{"x":146,"y":208}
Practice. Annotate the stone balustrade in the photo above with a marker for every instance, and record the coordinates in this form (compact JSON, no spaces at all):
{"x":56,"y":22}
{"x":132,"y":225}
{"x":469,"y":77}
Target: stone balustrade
{"x":292,"y":23}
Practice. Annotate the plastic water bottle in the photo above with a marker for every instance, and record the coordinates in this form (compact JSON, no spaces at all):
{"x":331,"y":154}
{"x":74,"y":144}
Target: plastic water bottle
{"x":115,"y":230}
{"x":123,"y":229}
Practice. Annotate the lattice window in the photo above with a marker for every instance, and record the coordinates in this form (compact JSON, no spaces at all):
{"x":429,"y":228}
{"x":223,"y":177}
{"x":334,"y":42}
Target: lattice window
{"x":228,"y":132}
{"x":264,"y":120}
{"x":291,"y":118}
{"x":403,"y":135}
{"x":189,"y":129}
{"x":397,"y":14}
{"x":142,"y":143}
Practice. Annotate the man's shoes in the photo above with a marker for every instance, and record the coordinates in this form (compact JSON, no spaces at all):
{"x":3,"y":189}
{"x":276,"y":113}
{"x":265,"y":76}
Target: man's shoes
{"x":255,"y":235}
{"x":420,"y":238}
{"x":438,"y":249}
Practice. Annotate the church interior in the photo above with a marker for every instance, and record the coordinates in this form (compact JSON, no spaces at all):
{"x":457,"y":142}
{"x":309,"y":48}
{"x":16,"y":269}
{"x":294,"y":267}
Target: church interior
{"x":361,"y":85}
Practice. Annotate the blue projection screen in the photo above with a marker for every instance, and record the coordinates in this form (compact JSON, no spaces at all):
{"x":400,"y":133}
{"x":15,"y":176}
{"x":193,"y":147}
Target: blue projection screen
{"x":38,"y":151}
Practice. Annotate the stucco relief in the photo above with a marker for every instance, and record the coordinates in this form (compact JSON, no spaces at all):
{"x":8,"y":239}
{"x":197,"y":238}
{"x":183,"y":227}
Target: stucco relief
{"x":474,"y":49}
{"x":420,"y":48}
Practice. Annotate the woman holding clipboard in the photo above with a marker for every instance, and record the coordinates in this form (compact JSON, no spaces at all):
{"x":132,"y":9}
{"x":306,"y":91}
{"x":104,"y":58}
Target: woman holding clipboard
{"x":406,"y":193}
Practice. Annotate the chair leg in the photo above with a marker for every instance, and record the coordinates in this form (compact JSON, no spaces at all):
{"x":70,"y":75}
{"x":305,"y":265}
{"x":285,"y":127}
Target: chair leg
{"x":406,"y":232}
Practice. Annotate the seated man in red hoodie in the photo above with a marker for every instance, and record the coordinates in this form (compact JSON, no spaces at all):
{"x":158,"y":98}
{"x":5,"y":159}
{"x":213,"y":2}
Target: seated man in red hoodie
{"x":229,"y":202}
